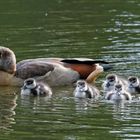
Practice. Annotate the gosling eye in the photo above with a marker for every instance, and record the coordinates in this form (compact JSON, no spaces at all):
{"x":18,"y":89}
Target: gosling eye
{"x":132,"y":80}
{"x":111,"y":79}
{"x":29,"y":82}
{"x":81,"y":84}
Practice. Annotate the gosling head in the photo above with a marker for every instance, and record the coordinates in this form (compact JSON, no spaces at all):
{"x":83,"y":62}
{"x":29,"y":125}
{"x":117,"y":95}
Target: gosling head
{"x":133,"y":82}
{"x":111,"y":80}
{"x":30,"y":83}
{"x":118,"y":88}
{"x":81,"y":86}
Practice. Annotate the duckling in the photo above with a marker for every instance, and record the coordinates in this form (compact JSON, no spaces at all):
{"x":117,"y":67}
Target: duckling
{"x":111,"y":80}
{"x":85,"y":90}
{"x":133,"y":85}
{"x":31,"y":87}
{"x":119,"y":93}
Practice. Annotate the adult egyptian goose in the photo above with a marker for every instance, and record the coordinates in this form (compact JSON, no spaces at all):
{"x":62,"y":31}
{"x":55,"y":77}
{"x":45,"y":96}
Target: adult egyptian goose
{"x":54,"y":71}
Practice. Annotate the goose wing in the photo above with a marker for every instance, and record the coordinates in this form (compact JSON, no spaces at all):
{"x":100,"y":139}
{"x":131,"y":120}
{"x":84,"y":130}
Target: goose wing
{"x":29,"y":68}
{"x":106,"y":66}
{"x":83,"y":61}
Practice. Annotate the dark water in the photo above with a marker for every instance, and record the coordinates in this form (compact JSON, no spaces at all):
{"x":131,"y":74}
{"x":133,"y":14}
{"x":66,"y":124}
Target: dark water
{"x":104,"y":30}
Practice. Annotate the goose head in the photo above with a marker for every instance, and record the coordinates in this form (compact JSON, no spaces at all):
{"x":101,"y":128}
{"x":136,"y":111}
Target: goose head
{"x":7,"y":60}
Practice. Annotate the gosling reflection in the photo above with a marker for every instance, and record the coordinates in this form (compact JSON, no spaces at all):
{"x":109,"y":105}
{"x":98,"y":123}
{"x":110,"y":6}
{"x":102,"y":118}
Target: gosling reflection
{"x":83,"y":104}
{"x":27,"y":101}
{"x":122,"y":110}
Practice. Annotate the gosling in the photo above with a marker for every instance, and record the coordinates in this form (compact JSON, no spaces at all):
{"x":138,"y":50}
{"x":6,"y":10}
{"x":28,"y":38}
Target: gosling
{"x":86,"y":90}
{"x":32,"y":87}
{"x":110,"y":82}
{"x":119,"y":93}
{"x":133,"y":85}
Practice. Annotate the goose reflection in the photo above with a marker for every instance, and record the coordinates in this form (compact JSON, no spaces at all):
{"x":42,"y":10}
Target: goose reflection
{"x":7,"y":110}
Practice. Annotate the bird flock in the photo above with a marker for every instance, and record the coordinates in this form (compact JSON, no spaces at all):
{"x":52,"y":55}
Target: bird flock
{"x":37,"y":76}
{"x":114,"y":88}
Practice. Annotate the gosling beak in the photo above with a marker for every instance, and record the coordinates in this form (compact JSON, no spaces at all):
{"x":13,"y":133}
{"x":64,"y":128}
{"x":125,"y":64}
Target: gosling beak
{"x":108,"y":84}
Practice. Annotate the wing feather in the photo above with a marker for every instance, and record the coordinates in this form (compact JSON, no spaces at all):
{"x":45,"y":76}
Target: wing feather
{"x":28,"y":69}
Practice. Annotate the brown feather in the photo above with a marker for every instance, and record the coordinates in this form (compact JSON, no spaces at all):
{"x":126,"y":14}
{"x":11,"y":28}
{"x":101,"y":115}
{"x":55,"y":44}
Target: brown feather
{"x":83,"y":69}
{"x":33,"y":69}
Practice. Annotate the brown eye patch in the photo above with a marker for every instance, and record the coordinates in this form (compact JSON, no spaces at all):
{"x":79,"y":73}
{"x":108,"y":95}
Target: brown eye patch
{"x":81,"y":83}
{"x":132,"y":80}
{"x":118,"y":86}
{"x":29,"y":82}
{"x":111,"y":78}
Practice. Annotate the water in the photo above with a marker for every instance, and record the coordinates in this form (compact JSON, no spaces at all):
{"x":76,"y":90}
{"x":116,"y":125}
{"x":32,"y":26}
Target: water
{"x":104,"y":30}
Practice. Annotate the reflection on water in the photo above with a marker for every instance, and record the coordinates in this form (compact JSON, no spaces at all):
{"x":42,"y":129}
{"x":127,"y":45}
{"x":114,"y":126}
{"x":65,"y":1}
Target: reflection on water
{"x":81,"y":105}
{"x":67,"y":117}
{"x":35,"y":102}
{"x":128,"y":116}
{"x":7,"y":110}
{"x":103,"y":30}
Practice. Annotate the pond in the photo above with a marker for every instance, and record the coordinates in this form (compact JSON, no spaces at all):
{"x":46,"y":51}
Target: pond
{"x":106,"y":30}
